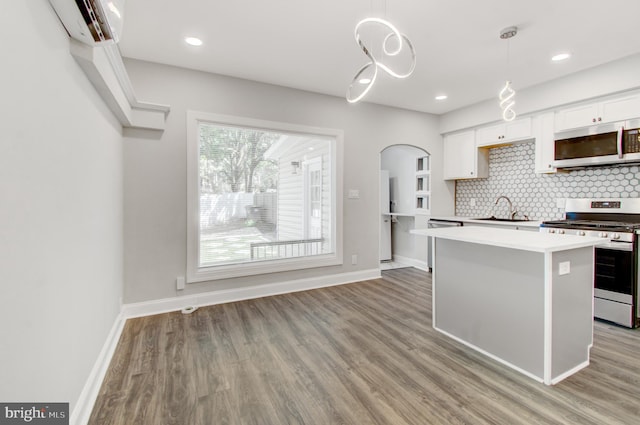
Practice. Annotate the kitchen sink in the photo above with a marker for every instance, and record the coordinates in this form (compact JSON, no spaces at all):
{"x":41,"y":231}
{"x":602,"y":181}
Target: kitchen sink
{"x":508,"y":220}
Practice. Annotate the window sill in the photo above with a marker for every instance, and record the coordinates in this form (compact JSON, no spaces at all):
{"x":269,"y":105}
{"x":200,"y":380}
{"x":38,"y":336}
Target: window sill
{"x":205,"y":274}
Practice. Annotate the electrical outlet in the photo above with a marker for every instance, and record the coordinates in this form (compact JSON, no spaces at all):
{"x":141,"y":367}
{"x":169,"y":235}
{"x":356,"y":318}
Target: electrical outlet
{"x":560,"y":203}
{"x":472,"y":202}
{"x":354,"y":259}
{"x":564,"y":268}
{"x":354,"y":194}
{"x":180,"y":283}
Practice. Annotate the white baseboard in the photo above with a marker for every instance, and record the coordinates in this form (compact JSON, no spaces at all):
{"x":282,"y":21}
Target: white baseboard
{"x":421,"y":265}
{"x":89,"y":394}
{"x":231,"y":295}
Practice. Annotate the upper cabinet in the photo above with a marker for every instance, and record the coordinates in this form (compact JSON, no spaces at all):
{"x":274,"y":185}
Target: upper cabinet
{"x":605,"y":111}
{"x":542,"y":127}
{"x":504,"y":133}
{"x":463,"y":159}
{"x":466,"y":154}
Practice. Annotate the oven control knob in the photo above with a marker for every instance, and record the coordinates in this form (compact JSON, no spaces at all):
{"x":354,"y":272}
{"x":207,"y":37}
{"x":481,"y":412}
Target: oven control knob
{"x":616,"y":236}
{"x":561,"y":231}
{"x":552,"y":230}
{"x":581,"y":233}
{"x":603,"y":234}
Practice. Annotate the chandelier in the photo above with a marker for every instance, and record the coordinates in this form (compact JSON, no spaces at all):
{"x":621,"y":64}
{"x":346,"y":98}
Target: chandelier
{"x":363,"y":82}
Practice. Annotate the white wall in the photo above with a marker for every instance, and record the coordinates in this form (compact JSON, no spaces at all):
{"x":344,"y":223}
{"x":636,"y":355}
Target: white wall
{"x":60,"y":212}
{"x":602,"y":80}
{"x":155,"y":170}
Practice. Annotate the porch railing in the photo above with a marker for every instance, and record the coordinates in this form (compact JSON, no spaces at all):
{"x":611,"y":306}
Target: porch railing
{"x":286,"y":249}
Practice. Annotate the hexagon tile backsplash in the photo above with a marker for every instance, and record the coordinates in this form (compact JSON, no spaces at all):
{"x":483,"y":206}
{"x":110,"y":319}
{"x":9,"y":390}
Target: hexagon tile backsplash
{"x":511,"y":173}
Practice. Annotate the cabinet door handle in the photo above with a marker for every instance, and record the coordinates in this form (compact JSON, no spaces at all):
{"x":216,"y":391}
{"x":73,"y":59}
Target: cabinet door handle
{"x":599,"y":119}
{"x":593,"y":120}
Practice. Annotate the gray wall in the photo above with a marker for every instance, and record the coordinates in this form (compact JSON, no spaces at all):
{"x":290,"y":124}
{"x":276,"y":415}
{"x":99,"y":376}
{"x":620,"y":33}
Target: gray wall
{"x":61,"y":243}
{"x":155,"y":170}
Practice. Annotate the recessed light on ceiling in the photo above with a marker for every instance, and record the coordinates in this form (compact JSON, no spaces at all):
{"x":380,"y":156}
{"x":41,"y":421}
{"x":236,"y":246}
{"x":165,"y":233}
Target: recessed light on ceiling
{"x":193,"y":41}
{"x":441,"y":97}
{"x":560,"y":57}
{"x":364,"y":80}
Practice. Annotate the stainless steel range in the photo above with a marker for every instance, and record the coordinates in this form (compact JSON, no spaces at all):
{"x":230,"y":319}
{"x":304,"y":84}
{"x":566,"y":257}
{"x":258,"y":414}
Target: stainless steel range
{"x":616,"y":263}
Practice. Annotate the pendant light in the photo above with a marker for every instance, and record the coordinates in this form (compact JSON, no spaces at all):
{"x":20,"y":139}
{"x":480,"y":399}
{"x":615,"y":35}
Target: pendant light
{"x":507,"y":94}
{"x":366,"y":76}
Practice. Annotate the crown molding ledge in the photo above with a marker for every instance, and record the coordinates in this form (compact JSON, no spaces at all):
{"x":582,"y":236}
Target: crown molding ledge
{"x":105,"y":69}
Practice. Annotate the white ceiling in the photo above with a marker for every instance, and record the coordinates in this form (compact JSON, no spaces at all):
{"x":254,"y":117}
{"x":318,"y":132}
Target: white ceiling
{"x":309,"y":44}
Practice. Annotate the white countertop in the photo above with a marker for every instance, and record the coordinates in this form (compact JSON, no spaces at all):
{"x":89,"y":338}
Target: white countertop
{"x":507,"y":238}
{"x":532,"y":223}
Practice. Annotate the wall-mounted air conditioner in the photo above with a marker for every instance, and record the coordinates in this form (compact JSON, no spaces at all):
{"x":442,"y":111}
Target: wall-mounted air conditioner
{"x":93,"y":22}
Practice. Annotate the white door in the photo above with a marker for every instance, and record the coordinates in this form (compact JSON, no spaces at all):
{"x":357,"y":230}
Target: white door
{"x":313,"y":199}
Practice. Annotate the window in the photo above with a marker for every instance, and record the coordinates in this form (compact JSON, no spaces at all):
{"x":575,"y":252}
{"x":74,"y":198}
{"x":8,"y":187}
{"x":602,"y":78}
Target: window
{"x":262,"y":197}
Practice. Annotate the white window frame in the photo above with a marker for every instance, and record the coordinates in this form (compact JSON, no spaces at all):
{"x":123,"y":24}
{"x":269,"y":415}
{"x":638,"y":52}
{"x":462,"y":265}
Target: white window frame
{"x":200,"y":274}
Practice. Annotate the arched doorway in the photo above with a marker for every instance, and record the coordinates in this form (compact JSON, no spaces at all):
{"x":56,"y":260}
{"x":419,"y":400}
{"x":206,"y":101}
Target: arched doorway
{"x":405,"y":204}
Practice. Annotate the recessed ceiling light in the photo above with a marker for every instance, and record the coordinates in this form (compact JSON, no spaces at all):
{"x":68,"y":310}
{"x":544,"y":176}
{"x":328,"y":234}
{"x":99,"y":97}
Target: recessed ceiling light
{"x":193,"y":41}
{"x":560,"y":57}
{"x":441,"y":97}
{"x":364,"y":80}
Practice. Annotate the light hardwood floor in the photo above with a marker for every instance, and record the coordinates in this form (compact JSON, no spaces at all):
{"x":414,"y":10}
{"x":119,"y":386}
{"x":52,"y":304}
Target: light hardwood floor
{"x":363,"y":353}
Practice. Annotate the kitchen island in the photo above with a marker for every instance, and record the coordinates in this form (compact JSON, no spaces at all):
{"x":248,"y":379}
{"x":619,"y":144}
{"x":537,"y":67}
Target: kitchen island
{"x":525,"y":299}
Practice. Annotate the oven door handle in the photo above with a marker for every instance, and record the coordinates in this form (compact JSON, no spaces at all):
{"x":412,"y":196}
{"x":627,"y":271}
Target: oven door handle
{"x":617,"y":246}
{"x":619,"y":146}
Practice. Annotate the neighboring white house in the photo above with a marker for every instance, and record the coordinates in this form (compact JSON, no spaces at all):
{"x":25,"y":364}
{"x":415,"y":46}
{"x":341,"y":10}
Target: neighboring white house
{"x":304,"y":185}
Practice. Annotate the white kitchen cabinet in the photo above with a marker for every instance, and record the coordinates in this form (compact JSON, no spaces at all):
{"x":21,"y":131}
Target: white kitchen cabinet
{"x":505,"y":132}
{"x":605,"y":111}
{"x":543,"y":126}
{"x":462,"y":159}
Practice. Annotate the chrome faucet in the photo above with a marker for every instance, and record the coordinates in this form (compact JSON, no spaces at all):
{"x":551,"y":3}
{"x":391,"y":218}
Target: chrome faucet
{"x":512,"y":212}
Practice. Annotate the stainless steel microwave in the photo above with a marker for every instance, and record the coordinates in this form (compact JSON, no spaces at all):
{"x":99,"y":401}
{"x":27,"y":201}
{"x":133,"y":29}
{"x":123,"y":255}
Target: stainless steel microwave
{"x":615,"y":143}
